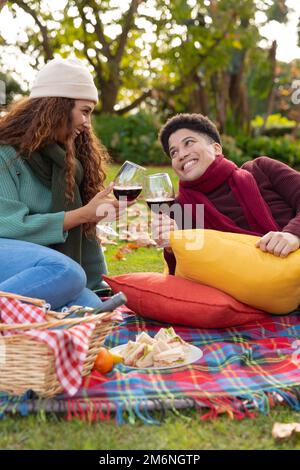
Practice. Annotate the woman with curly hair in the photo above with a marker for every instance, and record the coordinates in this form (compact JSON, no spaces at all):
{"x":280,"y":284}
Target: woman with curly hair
{"x":52,"y":169}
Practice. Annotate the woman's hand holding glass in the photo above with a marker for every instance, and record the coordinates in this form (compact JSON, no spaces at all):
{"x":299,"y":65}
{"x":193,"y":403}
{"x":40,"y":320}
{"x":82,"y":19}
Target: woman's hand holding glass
{"x":126,"y":186}
{"x":104,"y":207}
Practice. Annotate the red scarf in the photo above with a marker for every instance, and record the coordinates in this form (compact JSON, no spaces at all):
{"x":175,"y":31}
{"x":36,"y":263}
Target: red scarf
{"x":245,"y":190}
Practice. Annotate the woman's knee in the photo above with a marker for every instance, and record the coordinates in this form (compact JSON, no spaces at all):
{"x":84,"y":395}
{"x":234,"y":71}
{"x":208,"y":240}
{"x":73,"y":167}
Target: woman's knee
{"x":67,"y":271}
{"x":86,"y":298}
{"x":39,"y":271}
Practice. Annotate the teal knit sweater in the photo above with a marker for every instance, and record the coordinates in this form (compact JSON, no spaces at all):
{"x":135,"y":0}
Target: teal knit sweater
{"x":25,"y":204}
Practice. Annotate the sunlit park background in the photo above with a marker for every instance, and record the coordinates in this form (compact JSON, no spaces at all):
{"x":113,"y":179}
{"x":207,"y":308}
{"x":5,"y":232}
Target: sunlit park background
{"x":237,"y":61}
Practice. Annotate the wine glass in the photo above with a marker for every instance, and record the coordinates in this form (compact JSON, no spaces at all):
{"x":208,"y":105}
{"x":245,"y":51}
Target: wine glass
{"x":159,"y":195}
{"x":159,"y":192}
{"x":128,"y":182}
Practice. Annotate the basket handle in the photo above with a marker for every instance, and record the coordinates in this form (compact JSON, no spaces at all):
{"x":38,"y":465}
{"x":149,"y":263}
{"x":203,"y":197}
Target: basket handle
{"x":30,"y":300}
{"x":52,"y":324}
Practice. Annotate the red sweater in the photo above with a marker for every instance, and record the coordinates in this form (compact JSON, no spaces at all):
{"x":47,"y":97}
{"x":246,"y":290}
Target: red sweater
{"x":279,"y":186}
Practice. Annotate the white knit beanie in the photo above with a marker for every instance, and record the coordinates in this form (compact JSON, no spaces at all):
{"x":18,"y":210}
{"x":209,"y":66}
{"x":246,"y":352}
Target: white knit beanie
{"x":67,"y":78}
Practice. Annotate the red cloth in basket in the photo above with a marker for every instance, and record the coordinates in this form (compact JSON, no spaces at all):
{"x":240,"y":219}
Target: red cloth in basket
{"x":69,"y":346}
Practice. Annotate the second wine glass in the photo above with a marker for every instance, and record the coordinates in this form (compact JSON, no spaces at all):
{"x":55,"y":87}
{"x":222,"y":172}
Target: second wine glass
{"x":158,"y":191}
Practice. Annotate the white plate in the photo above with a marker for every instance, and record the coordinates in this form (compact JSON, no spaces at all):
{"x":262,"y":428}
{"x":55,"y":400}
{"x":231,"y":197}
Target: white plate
{"x":193,"y":354}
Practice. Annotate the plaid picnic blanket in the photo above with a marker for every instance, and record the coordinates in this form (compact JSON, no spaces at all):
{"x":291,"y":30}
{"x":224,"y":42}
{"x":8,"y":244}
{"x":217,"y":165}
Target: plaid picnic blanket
{"x":246,"y":368}
{"x":243,"y":370}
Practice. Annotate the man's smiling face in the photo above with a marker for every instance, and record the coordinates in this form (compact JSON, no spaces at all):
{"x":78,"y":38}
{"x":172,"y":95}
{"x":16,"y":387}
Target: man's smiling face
{"x":191,"y":153}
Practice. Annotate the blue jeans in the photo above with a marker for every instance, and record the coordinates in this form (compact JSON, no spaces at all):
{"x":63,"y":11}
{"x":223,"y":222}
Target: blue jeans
{"x":37,"y":271}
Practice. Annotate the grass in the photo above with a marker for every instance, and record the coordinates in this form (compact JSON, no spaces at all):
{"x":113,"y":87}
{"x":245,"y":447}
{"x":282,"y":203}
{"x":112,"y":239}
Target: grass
{"x":184,"y":432}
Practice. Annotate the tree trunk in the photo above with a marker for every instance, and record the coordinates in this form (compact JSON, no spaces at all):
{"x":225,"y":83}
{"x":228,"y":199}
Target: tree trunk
{"x":109,"y":93}
{"x":198,"y":102}
{"x":109,"y":86}
{"x":237,"y":92}
{"x":272,"y":92}
{"x":220,"y":85}
{"x":110,"y":83}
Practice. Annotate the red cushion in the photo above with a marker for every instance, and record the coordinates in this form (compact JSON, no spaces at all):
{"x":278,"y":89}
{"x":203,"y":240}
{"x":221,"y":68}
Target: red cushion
{"x":179,"y":301}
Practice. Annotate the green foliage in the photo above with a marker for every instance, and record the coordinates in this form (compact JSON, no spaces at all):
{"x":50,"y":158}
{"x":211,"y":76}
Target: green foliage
{"x":174,"y":56}
{"x":130,"y":138}
{"x":285,"y":149}
{"x":12,"y":87}
{"x":274,"y":120}
{"x":278,"y":11}
{"x":232,"y":151}
{"x":135,"y":138}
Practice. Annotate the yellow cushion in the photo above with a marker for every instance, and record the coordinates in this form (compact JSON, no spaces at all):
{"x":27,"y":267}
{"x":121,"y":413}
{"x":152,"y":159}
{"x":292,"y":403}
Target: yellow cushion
{"x":231,"y":262}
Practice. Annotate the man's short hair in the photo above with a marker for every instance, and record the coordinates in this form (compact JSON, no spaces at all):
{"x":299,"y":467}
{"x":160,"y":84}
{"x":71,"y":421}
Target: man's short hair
{"x":194,"y":122}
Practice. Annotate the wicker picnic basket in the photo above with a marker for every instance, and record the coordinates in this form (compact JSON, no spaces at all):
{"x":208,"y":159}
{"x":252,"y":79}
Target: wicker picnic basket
{"x":28,"y":364}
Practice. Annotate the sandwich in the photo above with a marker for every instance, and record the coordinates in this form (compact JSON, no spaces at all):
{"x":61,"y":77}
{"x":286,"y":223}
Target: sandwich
{"x":170,"y":356}
{"x":147,"y":359}
{"x":160,"y":346}
{"x":169,"y":336}
{"x":132,"y":353}
{"x":144,"y":338}
{"x":165,"y":349}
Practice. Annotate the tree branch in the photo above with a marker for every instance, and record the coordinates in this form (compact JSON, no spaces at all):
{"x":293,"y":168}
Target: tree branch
{"x":135,"y":103}
{"x":97,"y":67}
{"x":2,"y":3}
{"x":126,"y":28}
{"x":100,"y":31}
{"x":99,"y":70}
{"x":220,"y":38}
{"x":48,"y":49}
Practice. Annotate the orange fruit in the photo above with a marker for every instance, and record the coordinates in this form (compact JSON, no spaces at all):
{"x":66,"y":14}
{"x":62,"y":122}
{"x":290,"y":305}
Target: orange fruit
{"x":104,"y":361}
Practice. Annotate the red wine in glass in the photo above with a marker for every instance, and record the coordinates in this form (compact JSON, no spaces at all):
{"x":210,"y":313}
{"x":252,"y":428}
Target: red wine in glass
{"x":155,"y":203}
{"x":128,"y":183}
{"x":158,"y":190}
{"x":128,"y":192}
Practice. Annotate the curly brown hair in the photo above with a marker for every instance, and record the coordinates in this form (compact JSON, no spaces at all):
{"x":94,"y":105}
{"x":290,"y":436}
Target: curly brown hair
{"x":194,"y":122}
{"x":31,"y":123}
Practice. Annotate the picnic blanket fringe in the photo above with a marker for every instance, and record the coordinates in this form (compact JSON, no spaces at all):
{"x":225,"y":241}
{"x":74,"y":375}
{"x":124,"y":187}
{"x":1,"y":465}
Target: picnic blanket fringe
{"x":123,"y":412}
{"x":93,"y":409}
{"x":14,"y":404}
{"x":244,"y":406}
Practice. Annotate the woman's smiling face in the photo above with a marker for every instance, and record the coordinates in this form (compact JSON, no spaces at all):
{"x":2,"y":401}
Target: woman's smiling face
{"x":191,"y":153}
{"x":81,"y":116}
{"x":80,"y":121}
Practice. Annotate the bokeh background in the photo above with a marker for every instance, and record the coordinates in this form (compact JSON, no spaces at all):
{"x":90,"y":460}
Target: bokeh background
{"x":237,"y":61}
